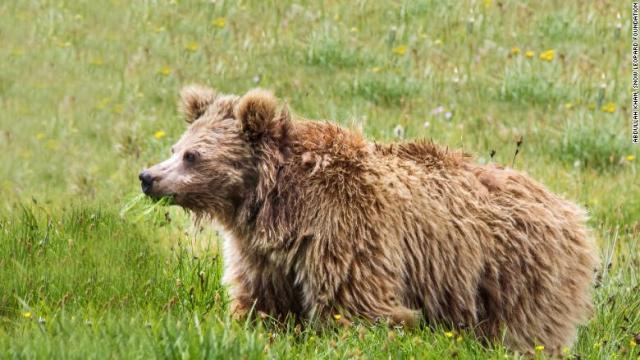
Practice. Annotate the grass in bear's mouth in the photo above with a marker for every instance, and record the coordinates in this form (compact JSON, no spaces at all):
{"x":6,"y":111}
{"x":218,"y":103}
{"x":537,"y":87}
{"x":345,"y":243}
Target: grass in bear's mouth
{"x":141,"y":207}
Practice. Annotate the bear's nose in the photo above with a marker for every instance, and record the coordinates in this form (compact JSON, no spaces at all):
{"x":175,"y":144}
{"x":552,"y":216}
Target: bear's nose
{"x":146,"y":181}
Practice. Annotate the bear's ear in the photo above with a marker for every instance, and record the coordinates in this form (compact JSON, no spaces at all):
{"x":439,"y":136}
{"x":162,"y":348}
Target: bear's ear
{"x":256,"y":111}
{"x":194,"y":101}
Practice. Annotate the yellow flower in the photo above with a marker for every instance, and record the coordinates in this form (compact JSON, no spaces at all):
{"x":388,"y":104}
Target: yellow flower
{"x":487,"y":3}
{"x":400,"y":49}
{"x":632,"y":343}
{"x":515,"y":51}
{"x":96,"y":61}
{"x":165,"y":70}
{"x":448,"y":334}
{"x":27,"y":314}
{"x":40,"y":136}
{"x":529,"y":54}
{"x":159,"y":134}
{"x":192,"y":46}
{"x":103,"y":103}
{"x":630,"y":157}
{"x":219,"y":22}
{"x":547,"y":55}
{"x":375,"y":69}
{"x":337,"y":316}
{"x":609,"y":107}
{"x":539,"y":347}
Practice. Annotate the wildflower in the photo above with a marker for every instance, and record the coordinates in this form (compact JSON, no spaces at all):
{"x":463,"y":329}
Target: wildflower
{"x":96,"y":61}
{"x":40,"y":136}
{"x":375,"y":69}
{"x":219,"y":22}
{"x":400,"y":49}
{"x":27,"y":314}
{"x":539,"y":347}
{"x":632,"y":343}
{"x":438,"y":110}
{"x":448,"y":334}
{"x":529,"y":54}
{"x":448,"y":115}
{"x":337,"y":316}
{"x":515,"y":51}
{"x":630,"y":157}
{"x":165,"y":70}
{"x":159,"y":134}
{"x":547,"y":55}
{"x":608,"y":107}
{"x":103,"y":103}
{"x":398,"y":131}
{"x":192,"y":46}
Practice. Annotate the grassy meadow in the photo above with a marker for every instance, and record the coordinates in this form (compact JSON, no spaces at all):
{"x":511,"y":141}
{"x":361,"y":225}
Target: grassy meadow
{"x":87,"y":99}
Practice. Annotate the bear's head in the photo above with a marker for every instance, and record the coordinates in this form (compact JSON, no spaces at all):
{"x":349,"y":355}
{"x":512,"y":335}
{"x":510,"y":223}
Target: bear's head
{"x":219,"y":161}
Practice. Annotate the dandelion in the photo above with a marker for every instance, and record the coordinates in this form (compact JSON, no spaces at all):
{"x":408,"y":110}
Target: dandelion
{"x":547,"y":55}
{"x":448,"y":334}
{"x":400,"y":49}
{"x":529,"y":54}
{"x":96,"y":61}
{"x":219,"y":22}
{"x":337,"y":316}
{"x":192,"y":46}
{"x":40,"y":136}
{"x":539,"y":348}
{"x":515,"y":51}
{"x":165,"y":70}
{"x":630,"y":158}
{"x":608,"y":107}
{"x":159,"y":134}
{"x":27,"y":315}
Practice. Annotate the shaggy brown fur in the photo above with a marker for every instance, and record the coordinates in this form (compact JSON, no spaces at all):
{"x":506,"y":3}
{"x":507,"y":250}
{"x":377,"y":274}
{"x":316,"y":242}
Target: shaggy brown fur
{"x":321,"y":221}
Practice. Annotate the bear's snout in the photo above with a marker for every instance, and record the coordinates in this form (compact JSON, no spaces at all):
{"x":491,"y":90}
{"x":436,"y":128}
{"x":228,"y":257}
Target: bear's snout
{"x":146,"y":181}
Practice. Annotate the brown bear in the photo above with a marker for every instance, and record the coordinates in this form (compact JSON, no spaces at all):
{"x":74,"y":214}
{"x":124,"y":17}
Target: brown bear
{"x":320,"y":221}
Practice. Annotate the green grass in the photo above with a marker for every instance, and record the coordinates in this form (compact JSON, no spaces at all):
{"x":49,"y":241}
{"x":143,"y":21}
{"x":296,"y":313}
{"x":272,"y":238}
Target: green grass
{"x":86,"y":271}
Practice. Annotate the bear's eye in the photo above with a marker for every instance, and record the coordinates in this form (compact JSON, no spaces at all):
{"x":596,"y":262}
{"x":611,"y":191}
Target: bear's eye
{"x":190,"y":156}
